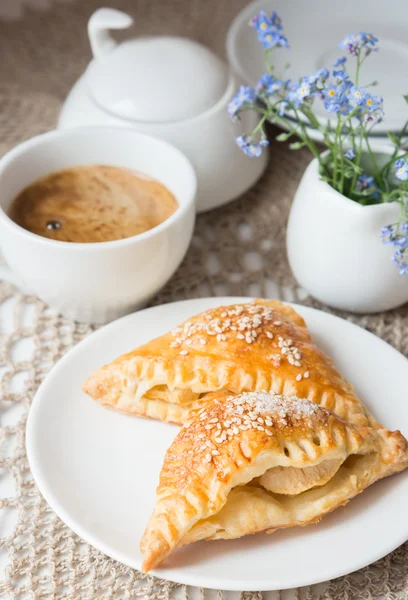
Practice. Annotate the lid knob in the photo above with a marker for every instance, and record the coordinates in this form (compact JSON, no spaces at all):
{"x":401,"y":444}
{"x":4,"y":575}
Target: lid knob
{"x":100,"y":22}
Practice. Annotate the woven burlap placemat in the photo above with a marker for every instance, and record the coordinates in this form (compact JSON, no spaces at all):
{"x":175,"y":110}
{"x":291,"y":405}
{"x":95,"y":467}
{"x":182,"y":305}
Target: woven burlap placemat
{"x":237,"y":250}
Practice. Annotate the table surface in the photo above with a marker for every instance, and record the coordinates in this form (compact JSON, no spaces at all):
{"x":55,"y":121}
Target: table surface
{"x":238,"y":250}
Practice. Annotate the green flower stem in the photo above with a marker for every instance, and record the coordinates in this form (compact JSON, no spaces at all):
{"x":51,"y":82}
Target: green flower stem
{"x":330,"y":143}
{"x":358,"y":160}
{"x":341,"y":155}
{"x":309,"y":143}
{"x":359,"y":63}
{"x":346,"y":125}
{"x":260,"y":124}
{"x":351,"y":116}
{"x":385,"y":171}
{"x":401,"y":199}
{"x":350,"y":128}
{"x":289,"y":126}
{"x":310,"y":116}
{"x":394,"y":194}
{"x":377,"y":171}
{"x":268,"y":65}
{"x":353,"y":138}
{"x":335,"y":154}
{"x":304,"y":137}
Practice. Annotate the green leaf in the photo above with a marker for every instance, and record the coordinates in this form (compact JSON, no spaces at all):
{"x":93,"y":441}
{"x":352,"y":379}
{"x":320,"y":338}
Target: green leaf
{"x":406,"y":98}
{"x":325,"y":178}
{"x":356,"y":168}
{"x":283,"y":137}
{"x":297,"y":145}
{"x":348,"y":173}
{"x":393,"y":138}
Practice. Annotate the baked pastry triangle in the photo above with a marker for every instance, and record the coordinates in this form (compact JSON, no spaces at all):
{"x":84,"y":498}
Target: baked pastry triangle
{"x":262,"y":345}
{"x":259,"y":462}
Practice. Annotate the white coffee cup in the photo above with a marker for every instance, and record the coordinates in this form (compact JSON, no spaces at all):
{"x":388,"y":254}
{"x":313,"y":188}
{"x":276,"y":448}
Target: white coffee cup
{"x":97,"y":282}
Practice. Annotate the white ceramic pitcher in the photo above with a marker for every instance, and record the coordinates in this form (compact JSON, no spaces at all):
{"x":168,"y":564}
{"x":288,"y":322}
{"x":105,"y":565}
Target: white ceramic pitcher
{"x":335,"y":249}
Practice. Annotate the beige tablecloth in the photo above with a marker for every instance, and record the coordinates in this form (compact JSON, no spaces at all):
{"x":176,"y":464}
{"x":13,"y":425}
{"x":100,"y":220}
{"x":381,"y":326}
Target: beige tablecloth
{"x":236,"y":250}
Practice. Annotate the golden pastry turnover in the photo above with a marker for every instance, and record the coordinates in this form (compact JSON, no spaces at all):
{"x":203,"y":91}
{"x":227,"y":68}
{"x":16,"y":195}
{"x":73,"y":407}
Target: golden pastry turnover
{"x":262,"y":345}
{"x":259,"y":462}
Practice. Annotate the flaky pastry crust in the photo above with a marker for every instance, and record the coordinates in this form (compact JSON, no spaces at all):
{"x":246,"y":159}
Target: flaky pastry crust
{"x":211,"y":481}
{"x":262,"y":345}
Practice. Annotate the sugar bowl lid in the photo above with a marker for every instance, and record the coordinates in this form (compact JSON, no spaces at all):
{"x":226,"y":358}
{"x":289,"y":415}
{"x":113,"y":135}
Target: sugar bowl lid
{"x":154,"y":79}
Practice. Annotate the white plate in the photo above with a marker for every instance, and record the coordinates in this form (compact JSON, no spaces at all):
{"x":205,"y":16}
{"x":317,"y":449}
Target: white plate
{"x":99,"y":469}
{"x":314,"y":29}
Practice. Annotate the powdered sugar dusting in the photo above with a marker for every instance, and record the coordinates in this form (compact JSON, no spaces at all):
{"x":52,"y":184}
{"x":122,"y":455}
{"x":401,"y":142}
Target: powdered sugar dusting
{"x":278,"y":406}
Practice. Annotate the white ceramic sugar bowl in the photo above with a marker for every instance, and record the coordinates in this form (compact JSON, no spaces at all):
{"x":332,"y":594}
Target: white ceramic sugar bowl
{"x":172,"y":88}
